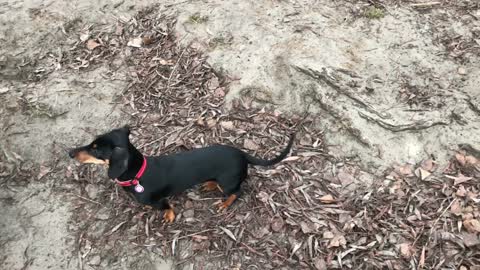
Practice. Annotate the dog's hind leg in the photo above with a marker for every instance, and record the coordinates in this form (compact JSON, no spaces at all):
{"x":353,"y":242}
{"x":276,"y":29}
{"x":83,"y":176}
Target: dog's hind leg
{"x":231,"y":188}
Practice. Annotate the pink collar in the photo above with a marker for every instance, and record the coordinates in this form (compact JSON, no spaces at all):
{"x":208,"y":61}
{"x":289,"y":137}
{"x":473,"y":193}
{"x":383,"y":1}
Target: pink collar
{"x":135,"y":181}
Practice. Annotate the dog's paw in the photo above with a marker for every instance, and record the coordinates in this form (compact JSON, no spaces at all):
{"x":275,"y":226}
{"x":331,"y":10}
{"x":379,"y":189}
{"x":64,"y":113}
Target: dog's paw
{"x":222,"y":207}
{"x":169,"y":216}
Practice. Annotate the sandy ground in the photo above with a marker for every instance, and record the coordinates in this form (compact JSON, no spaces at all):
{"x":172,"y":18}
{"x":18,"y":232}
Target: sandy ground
{"x":388,"y":90}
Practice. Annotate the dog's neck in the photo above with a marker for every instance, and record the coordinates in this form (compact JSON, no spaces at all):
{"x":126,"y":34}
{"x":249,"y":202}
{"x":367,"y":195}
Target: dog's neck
{"x":135,"y":161}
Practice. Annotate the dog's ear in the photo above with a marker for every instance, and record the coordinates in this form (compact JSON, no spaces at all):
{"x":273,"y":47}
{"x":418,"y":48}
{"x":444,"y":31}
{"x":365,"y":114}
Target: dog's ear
{"x":118,"y":163}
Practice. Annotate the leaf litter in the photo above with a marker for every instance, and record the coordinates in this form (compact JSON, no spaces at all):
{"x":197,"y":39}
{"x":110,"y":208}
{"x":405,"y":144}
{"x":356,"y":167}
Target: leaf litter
{"x":311,"y":211}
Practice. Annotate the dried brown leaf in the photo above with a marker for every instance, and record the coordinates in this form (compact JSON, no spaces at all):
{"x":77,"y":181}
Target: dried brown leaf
{"x":456,"y":208}
{"x":406,"y":250}
{"x":472,"y":225}
{"x":345,"y":178}
{"x":470,"y":239}
{"x":460,"y":157}
{"x":306,"y":228}
{"x":228,"y":125}
{"x":405,"y":170}
{"x":327,"y":199}
{"x":337,"y":240}
{"x":92,"y":44}
{"x":291,"y":158}
{"x":461,"y":191}
{"x":229,"y":233}
{"x":428,"y":165}
{"x":211,"y":123}
{"x":471,"y":161}
{"x":422,"y":173}
{"x":459,"y":179}
{"x":44,"y":170}
{"x":421,"y":262}
{"x":295,"y":248}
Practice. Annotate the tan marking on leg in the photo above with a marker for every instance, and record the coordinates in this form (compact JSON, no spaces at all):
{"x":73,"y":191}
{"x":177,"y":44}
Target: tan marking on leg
{"x":169,"y":215}
{"x":211,"y":186}
{"x":227,"y":202}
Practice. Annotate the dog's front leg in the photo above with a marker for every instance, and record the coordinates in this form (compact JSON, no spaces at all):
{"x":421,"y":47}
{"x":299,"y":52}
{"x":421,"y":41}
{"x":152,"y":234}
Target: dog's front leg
{"x":162,"y":204}
{"x":169,"y":214}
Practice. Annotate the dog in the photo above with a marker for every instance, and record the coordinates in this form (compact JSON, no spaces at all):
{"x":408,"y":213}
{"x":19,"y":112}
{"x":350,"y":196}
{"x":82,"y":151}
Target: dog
{"x":152,"y":179}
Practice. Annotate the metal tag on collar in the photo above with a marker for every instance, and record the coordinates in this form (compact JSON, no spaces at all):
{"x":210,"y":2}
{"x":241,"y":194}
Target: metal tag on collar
{"x":139,"y":188}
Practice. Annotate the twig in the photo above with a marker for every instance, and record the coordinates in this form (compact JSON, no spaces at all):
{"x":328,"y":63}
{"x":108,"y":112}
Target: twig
{"x":190,"y":235}
{"x":86,"y":199}
{"x":424,"y":5}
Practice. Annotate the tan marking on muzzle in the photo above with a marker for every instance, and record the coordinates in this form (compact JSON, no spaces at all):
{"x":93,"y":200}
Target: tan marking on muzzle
{"x":84,"y":157}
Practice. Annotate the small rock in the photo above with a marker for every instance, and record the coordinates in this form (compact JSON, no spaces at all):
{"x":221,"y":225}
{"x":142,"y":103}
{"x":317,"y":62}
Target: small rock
{"x":4,"y":90}
{"x":189,"y":213}
{"x":188,"y":204}
{"x":250,"y":145}
{"x":328,"y":235}
{"x":320,"y":263}
{"x":219,"y":92}
{"x":95,"y":260}
{"x":92,"y":191}
{"x":213,"y":83}
{"x":135,"y":42}
{"x":470,"y":239}
{"x":277,"y":224}
{"x":103,"y":215}
{"x":462,"y":71}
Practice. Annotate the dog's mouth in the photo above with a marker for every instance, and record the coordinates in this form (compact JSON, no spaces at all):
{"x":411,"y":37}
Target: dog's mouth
{"x":84,"y":157}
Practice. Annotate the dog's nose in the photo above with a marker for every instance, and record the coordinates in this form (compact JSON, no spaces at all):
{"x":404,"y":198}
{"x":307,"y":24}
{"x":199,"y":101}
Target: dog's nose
{"x":71,"y":153}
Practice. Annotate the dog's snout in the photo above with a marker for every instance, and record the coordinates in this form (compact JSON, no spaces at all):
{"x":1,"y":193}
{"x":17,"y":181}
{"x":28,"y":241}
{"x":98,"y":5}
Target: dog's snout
{"x":71,"y":153}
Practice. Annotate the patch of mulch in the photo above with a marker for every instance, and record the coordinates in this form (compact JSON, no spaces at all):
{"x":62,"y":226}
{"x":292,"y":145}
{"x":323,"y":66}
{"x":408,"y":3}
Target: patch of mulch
{"x":309,"y":211}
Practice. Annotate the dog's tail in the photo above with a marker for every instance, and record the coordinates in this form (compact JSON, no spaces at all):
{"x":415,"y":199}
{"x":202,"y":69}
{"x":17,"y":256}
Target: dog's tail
{"x":262,"y":162}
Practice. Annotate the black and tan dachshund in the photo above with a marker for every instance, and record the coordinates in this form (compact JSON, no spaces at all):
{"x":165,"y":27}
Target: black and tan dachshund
{"x":153,"y":179}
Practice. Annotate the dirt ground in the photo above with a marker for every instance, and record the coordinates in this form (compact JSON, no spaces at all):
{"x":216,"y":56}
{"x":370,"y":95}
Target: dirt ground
{"x":383,"y":93}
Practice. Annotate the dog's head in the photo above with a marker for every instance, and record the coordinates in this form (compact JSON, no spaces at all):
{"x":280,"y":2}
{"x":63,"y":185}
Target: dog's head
{"x":110,"y":148}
